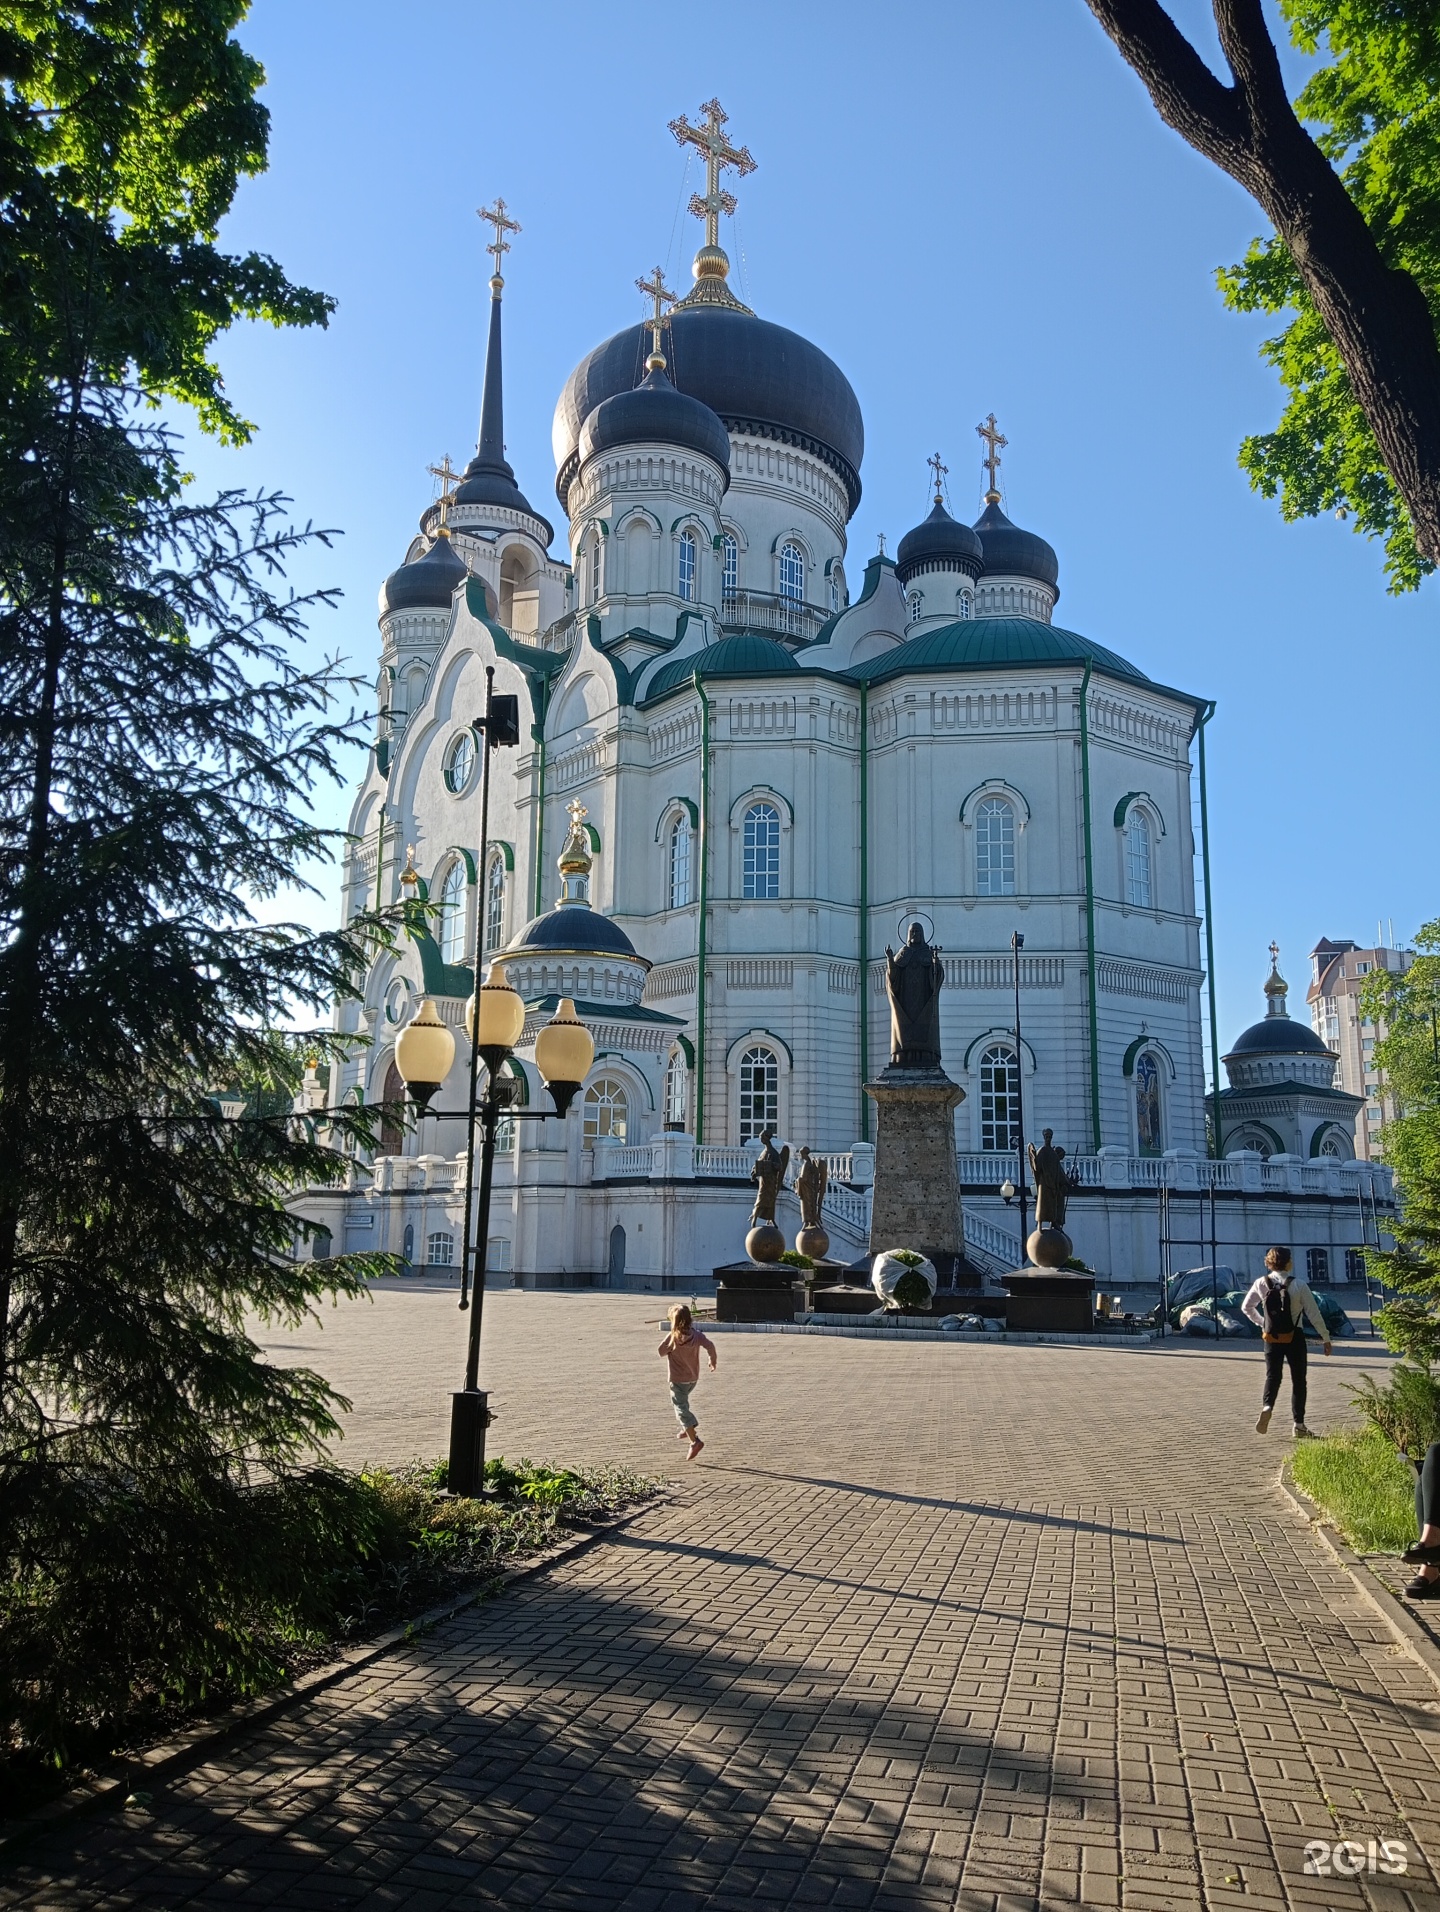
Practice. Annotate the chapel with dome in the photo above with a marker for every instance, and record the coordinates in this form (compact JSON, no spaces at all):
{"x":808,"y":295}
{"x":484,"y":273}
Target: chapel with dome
{"x":769,"y":756}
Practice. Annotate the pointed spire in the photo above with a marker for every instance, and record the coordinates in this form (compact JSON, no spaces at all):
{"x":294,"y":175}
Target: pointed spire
{"x":490,"y":456}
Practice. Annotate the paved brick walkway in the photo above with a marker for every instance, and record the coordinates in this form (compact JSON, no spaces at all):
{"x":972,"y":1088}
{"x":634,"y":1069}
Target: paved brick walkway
{"x":931,"y":1627}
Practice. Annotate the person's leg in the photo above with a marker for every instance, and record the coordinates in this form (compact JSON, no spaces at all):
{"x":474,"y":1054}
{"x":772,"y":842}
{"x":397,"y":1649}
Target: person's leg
{"x":1297,"y":1353}
{"x":1274,"y":1368}
{"x":1427,"y":1514}
{"x":680,"y":1397}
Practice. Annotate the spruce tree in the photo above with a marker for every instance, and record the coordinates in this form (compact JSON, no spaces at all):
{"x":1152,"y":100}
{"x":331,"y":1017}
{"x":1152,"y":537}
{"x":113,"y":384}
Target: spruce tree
{"x":161,"y":742}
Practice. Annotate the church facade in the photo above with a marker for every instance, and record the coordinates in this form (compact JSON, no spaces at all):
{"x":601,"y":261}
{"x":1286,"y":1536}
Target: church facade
{"x":764,"y":759}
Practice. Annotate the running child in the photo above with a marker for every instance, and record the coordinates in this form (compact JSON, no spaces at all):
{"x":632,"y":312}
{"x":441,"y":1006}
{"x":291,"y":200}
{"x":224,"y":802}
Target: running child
{"x":681,"y":1348}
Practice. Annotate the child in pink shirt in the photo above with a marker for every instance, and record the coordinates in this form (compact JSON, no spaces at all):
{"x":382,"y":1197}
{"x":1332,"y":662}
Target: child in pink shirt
{"x":681,"y":1348}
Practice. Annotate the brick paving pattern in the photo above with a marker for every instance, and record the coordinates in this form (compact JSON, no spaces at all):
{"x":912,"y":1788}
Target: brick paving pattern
{"x":985,"y":1627}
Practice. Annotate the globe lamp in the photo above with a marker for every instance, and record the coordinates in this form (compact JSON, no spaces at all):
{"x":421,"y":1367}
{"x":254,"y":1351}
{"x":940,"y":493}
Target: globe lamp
{"x":564,"y":1050}
{"x":501,"y":1019}
{"x":424,"y":1053}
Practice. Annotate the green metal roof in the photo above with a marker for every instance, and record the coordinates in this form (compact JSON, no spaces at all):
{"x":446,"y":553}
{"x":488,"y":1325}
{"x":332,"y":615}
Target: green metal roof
{"x":983,"y":642}
{"x":747,"y":655}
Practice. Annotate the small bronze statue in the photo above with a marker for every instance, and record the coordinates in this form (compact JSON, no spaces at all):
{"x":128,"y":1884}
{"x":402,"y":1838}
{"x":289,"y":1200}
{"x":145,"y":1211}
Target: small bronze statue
{"x":811,"y":1181}
{"x":913,"y":981}
{"x":768,"y":1175}
{"x":1052,"y":1185}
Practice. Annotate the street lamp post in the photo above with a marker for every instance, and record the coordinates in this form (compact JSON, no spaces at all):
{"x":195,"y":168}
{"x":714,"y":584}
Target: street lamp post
{"x":495,"y":1020}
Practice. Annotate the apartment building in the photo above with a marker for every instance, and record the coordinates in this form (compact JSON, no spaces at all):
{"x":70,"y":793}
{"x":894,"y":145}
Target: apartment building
{"x":1337,"y":975}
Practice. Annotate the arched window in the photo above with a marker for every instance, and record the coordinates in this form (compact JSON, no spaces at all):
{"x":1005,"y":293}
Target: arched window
{"x":995,"y":848}
{"x":759,"y":1092}
{"x":762,"y":851}
{"x":792,"y":573}
{"x":730,"y":580}
{"x":440,"y":1249}
{"x":452,"y":914}
{"x":681,"y":846}
{"x":677,"y":1091}
{"x":495,"y":904}
{"x":392,"y":1130}
{"x":596,"y":569}
{"x":1147,"y":1104}
{"x":607,"y":1110}
{"x":407,"y":1245}
{"x":1137,"y":860}
{"x":964,"y":605}
{"x":914,"y":605}
{"x":459,"y":762}
{"x":687,"y":566}
{"x":999,"y":1100}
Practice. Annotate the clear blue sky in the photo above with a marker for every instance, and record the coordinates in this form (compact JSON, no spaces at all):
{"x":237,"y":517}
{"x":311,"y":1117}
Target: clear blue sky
{"x":969,"y":207}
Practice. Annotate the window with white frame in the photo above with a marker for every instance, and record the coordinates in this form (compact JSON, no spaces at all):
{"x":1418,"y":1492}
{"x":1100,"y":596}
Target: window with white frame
{"x":965,"y":605}
{"x":440,"y":1249}
{"x":792,"y":573}
{"x":730,"y":577}
{"x":999,"y":1100}
{"x":759,"y":1092}
{"x":682,"y":844}
{"x":607,"y":1111}
{"x":761,"y":871}
{"x":459,"y":762}
{"x":1149,"y":1134}
{"x":995,"y":848}
{"x":914,"y":604}
{"x":452,"y":914}
{"x":687,"y":566}
{"x":677,"y":1091}
{"x":596,"y":569}
{"x":1317,"y":1265}
{"x":1137,"y":860}
{"x":495,"y":904}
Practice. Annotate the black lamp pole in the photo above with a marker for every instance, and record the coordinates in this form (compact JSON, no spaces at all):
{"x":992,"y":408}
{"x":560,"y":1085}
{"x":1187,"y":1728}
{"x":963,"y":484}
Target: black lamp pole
{"x":1017,"y":943}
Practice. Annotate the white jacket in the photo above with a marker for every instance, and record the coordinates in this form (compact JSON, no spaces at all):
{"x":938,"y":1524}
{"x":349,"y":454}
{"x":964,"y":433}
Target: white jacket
{"x":1303,"y":1305}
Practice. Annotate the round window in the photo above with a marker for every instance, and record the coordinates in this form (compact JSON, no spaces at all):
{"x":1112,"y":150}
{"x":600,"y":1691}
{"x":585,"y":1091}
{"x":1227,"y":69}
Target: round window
{"x":397,"y":1000}
{"x":459,"y":762}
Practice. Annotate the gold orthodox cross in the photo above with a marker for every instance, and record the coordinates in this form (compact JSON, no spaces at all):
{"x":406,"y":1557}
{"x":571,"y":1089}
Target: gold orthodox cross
{"x":576,"y":812}
{"x":1275,"y":956}
{"x":994,"y":441}
{"x":449,"y":478}
{"x":655,"y":288}
{"x":719,"y":155}
{"x":502,"y":222}
{"x":941,"y":473}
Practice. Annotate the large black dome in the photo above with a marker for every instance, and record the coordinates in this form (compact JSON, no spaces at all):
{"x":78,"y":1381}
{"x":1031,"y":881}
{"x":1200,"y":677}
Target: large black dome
{"x":1011,"y":552}
{"x":757,"y":377}
{"x":942,"y":543}
{"x":1280,"y":1036}
{"x":655,"y":413}
{"x":427,"y":584}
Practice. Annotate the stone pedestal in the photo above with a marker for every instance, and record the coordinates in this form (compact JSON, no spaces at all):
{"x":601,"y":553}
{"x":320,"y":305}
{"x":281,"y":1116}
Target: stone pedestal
{"x":917,"y":1181}
{"x":1041,"y":1302}
{"x":745,"y":1291}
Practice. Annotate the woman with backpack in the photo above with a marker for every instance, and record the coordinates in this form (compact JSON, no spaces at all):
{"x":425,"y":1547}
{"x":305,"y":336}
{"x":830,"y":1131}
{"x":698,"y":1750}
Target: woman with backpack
{"x":1279,"y":1304}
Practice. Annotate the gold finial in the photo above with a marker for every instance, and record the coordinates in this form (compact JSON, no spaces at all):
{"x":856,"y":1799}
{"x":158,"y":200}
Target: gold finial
{"x":575,"y":859}
{"x":409,"y":876}
{"x":994,"y":442}
{"x":502,"y":222}
{"x":655,"y":288}
{"x":711,"y":265}
{"x":449,"y":478}
{"x":1276,"y":987}
{"x":941,"y":473}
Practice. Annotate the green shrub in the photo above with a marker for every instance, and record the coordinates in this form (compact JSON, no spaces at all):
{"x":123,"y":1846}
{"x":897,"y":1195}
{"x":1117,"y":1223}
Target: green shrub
{"x":792,"y":1258}
{"x":912,"y":1290}
{"x":1405,"y":1410}
{"x":1363,"y":1485}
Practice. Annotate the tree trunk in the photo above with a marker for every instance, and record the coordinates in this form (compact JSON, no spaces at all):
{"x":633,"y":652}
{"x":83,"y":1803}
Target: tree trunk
{"x":1376,"y":316}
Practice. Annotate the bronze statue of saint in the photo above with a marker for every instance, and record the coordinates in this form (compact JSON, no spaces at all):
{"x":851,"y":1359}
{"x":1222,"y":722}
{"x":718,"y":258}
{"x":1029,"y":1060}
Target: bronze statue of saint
{"x":768,"y":1175}
{"x":1052,"y":1184}
{"x":913,"y":981}
{"x":811,"y":1182}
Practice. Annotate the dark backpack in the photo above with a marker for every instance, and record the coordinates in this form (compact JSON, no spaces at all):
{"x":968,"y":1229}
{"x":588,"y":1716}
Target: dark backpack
{"x":1279,"y":1324}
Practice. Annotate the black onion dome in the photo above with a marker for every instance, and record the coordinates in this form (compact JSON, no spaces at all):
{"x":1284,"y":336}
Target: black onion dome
{"x":942,"y":543}
{"x":655,"y":413}
{"x":1013,"y":553}
{"x":573,"y":929}
{"x":425,"y":584}
{"x":756,"y":377}
{"x":1280,"y":1036}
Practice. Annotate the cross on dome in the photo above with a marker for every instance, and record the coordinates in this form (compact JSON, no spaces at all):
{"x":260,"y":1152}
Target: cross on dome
{"x":994,"y":441}
{"x":941,"y":473}
{"x":449,"y":478}
{"x":655,"y":288}
{"x":711,"y":264}
{"x":502,"y":222}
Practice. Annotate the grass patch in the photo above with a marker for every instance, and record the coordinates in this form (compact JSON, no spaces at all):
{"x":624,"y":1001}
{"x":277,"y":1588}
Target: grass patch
{"x":1362,"y":1485}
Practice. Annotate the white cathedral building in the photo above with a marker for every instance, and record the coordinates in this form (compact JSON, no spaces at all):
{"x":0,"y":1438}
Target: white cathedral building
{"x":765,"y":758}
